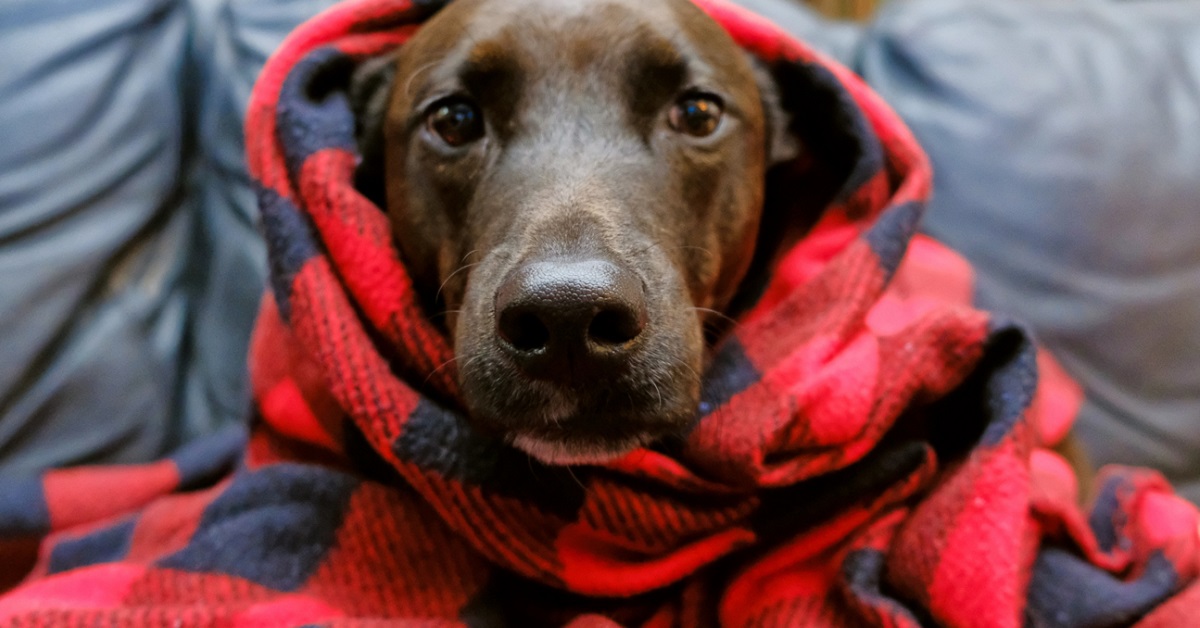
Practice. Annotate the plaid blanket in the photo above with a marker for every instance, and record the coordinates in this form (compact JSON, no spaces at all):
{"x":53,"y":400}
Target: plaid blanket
{"x":869,"y":450}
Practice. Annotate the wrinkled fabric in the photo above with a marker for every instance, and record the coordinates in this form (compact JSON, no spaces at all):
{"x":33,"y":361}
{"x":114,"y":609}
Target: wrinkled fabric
{"x":869,"y":448}
{"x":131,"y":264}
{"x":231,"y":40}
{"x":94,"y":241}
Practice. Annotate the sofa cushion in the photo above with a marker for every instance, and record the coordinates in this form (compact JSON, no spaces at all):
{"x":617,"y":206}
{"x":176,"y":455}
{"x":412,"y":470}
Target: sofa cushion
{"x":92,"y":242}
{"x":1065,"y":140}
{"x":838,"y":39}
{"x":231,"y":41}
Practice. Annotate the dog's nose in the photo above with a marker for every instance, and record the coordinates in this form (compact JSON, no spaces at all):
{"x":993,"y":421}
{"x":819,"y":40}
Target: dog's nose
{"x":566,"y":319}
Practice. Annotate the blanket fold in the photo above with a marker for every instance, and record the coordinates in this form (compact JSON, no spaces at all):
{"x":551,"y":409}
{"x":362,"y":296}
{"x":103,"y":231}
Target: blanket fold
{"x":870,"y":449}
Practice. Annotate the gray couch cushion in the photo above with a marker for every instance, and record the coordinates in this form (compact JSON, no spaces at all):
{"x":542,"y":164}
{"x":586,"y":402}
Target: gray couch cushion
{"x":1065,"y":140}
{"x":837,"y":39}
{"x":92,"y":244}
{"x":231,"y":41}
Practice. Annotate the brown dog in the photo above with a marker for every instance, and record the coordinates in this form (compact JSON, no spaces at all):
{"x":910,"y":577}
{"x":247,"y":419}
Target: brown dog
{"x":578,"y":184}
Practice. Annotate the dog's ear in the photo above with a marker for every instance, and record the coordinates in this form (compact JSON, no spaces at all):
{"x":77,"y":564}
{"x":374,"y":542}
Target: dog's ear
{"x":782,"y":144}
{"x":812,"y":150}
{"x":369,"y":92}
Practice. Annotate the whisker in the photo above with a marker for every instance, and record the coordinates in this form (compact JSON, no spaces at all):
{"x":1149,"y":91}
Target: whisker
{"x":439,"y":367}
{"x":451,"y":276}
{"x":690,"y":369}
{"x":418,"y":72}
{"x":640,"y":251}
{"x":573,"y":476}
{"x":551,"y":418}
{"x":717,"y":313}
{"x":447,"y":362}
{"x":471,"y":359}
{"x":698,"y":248}
{"x":529,"y":462}
{"x":681,"y":247}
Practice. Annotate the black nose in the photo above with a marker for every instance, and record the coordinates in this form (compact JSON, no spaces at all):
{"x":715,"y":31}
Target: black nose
{"x":570,"y":319}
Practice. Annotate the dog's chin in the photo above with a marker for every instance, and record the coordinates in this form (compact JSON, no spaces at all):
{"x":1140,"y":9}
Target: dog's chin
{"x":562,"y":453}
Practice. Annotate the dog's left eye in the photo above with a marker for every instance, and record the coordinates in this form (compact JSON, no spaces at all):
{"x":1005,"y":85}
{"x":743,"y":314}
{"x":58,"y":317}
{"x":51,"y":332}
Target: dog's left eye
{"x":697,"y":115}
{"x":456,"y":121}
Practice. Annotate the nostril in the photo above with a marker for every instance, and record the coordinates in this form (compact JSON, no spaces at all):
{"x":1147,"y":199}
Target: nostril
{"x":614,"y":326}
{"x":524,"y":330}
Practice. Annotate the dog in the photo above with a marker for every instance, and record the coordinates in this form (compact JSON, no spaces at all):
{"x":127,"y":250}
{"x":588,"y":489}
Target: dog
{"x":579,"y":186}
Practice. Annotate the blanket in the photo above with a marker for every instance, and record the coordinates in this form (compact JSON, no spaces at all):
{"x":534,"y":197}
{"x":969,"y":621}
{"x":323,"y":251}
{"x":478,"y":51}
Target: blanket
{"x":869,"y":450}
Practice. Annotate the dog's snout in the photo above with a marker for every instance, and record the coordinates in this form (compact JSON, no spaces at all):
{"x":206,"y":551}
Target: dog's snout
{"x":564,"y":319}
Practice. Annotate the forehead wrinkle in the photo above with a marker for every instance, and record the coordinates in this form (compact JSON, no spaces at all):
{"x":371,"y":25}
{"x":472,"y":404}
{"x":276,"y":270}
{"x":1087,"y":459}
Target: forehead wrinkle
{"x":657,"y":69}
{"x":491,"y":70}
{"x":489,"y":56}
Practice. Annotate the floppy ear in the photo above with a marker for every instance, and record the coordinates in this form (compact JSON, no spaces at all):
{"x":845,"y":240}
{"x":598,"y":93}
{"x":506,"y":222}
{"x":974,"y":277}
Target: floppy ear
{"x":370,"y":88}
{"x":782,"y":144}
{"x":814,"y":147}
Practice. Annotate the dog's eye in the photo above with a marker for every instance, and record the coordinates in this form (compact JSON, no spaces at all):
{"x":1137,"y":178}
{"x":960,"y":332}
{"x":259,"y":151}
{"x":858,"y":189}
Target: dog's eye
{"x":696,"y":114}
{"x":456,"y":121}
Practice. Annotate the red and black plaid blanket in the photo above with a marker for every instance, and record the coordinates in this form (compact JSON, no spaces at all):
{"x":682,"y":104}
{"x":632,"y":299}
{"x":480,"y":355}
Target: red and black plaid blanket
{"x":870,"y":450}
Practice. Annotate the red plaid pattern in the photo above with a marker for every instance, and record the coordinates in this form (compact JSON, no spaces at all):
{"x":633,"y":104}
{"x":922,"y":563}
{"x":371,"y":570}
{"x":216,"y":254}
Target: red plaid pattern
{"x":870,"y":450}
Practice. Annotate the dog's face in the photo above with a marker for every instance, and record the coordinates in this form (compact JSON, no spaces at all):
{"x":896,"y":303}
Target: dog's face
{"x":577,"y":184}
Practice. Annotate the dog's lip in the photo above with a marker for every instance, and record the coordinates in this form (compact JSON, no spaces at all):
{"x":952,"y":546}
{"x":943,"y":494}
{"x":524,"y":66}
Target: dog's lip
{"x":573,"y":442}
{"x":574,"y":452}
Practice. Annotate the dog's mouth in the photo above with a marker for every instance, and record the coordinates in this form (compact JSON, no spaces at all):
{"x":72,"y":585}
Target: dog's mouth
{"x":577,"y":360}
{"x":568,"y":433}
{"x":579,"y":421}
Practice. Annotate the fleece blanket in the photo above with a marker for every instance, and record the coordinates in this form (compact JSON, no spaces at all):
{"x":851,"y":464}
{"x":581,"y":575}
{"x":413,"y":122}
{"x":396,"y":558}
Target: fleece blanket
{"x":870,"y":450}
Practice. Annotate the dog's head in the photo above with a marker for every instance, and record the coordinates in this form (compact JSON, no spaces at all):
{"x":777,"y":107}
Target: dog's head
{"x":577,"y":185}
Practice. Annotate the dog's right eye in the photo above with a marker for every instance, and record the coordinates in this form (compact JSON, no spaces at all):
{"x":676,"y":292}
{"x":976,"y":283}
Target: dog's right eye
{"x":697,"y":115}
{"x":455,"y":121}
